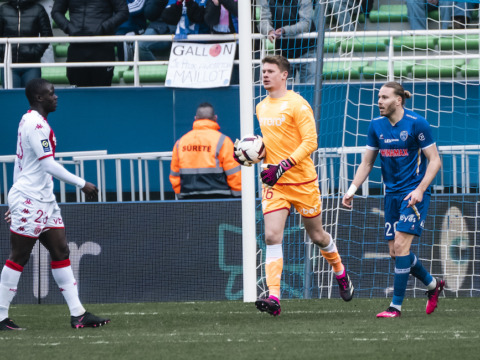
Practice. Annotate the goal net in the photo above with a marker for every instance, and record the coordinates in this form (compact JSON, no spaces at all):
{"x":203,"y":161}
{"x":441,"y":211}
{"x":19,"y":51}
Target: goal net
{"x":353,"y":49}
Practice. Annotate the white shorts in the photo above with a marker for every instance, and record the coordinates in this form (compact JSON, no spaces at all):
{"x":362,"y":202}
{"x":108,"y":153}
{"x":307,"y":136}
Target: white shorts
{"x":31,"y":217}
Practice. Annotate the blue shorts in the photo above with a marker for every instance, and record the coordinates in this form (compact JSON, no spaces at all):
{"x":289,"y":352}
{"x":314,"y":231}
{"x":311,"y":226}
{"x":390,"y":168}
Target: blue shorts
{"x":399,"y":217}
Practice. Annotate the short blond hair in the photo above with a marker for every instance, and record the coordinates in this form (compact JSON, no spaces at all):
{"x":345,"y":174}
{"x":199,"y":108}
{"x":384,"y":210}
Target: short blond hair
{"x":282,"y":62}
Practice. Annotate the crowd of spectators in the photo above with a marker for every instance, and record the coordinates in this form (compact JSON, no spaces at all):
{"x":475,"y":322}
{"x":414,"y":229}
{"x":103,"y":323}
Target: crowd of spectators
{"x":278,"y":20}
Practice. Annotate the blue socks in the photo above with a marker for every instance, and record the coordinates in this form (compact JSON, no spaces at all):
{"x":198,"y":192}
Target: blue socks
{"x":419,"y":271}
{"x":404,"y":266}
{"x":402,"y":272}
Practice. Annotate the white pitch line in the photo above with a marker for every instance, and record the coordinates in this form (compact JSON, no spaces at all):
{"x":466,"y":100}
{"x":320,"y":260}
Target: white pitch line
{"x":375,"y":255}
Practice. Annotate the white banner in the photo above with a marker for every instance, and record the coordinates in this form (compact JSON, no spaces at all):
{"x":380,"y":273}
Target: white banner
{"x":200,"y":66}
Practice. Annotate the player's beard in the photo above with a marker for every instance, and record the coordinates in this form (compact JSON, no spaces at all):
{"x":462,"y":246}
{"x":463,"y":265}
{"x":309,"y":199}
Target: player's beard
{"x":389,"y":110}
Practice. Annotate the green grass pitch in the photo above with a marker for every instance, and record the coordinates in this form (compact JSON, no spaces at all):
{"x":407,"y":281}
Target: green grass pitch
{"x":306,"y":329}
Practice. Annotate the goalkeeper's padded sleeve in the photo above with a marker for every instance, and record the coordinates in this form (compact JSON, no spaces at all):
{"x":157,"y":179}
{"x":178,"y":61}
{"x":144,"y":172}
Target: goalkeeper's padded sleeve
{"x":50,"y":166}
{"x":238,"y":156}
{"x":272,"y":173}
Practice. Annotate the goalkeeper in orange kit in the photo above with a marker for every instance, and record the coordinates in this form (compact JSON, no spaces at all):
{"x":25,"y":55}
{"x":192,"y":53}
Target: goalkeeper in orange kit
{"x":288,"y":129}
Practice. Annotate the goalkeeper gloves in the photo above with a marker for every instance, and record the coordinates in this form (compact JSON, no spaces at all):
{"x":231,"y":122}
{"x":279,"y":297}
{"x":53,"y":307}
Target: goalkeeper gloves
{"x":272,"y":173}
{"x":238,"y":156}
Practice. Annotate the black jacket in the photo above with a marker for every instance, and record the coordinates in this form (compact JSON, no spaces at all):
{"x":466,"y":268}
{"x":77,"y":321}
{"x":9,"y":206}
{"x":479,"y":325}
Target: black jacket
{"x":24,"y":18}
{"x":154,"y":8}
{"x":173,"y":13}
{"x":212,"y":13}
{"x":90,"y":17}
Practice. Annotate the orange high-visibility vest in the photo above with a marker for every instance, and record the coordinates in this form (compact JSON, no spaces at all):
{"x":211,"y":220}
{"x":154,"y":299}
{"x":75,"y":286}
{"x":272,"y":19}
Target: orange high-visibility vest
{"x":203,"y":163}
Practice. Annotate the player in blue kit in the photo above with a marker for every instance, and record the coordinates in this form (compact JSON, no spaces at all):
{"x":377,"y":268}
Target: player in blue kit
{"x":405,"y":143}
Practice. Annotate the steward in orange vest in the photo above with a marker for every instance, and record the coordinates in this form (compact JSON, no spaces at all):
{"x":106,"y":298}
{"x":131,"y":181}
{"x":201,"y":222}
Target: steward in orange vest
{"x":203,"y":166}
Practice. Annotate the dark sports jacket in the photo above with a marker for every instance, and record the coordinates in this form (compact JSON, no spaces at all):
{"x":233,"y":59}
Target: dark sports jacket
{"x":90,"y":17}
{"x":24,"y":18}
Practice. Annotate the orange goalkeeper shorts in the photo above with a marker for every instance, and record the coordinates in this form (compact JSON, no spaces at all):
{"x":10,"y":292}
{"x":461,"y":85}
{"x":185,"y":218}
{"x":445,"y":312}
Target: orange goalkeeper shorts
{"x":305,"y":198}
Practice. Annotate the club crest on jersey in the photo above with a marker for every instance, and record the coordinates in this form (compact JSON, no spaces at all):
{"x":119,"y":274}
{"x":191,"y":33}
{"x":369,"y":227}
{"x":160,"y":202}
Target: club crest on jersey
{"x":404,"y":135}
{"x":46,"y":145}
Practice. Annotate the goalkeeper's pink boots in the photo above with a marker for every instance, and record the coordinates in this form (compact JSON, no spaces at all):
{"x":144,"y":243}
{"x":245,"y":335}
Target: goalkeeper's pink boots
{"x":270,"y":305}
{"x":433,"y":295}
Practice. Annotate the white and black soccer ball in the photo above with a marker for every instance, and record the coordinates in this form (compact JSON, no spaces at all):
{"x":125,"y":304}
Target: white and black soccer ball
{"x":252,"y":148}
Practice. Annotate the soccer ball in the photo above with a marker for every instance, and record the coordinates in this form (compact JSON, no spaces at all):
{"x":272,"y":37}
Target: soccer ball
{"x":252,"y":148}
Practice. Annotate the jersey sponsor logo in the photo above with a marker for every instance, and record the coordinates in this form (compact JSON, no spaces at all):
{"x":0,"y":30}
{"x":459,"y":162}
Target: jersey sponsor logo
{"x":45,"y":145}
{"x":409,"y":218}
{"x":404,"y":135}
{"x":272,"y":121}
{"x":309,"y":211}
{"x":393,"y":152}
{"x":388,"y":141}
{"x":421,"y":137}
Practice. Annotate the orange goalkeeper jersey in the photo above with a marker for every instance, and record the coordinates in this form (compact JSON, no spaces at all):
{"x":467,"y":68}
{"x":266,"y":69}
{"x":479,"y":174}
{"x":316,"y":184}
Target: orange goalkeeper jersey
{"x":288,"y":130}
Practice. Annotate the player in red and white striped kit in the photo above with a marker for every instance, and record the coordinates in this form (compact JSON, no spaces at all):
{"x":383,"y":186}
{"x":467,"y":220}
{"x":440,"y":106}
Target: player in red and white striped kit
{"x":33,"y":211}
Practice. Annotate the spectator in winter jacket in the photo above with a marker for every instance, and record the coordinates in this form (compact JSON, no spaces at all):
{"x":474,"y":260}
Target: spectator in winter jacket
{"x":282,"y":19}
{"x":135,"y":25}
{"x":179,"y":17}
{"x":90,"y":18}
{"x":24,"y":18}
{"x":148,"y":50}
{"x":202,"y":165}
{"x":222,"y":18}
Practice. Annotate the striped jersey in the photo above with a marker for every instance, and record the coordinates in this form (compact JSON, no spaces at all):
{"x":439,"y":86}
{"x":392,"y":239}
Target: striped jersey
{"x":35,"y":142}
{"x":400,"y":148}
{"x":288,"y":131}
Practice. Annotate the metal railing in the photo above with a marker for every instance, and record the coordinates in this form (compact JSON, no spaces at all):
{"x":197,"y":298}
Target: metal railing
{"x":139,"y":175}
{"x":64,"y":158}
{"x":390,"y":55}
{"x":146,"y":174}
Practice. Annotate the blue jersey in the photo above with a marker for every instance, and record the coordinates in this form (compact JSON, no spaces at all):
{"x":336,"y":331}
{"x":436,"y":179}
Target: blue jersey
{"x":400,"y":148}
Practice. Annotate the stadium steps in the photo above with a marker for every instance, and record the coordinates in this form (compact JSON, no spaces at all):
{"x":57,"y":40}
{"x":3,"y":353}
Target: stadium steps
{"x":60,"y":50}
{"x":459,"y":42}
{"x":389,"y":13}
{"x":379,"y":69}
{"x":447,"y":68}
{"x":147,"y":74}
{"x":58,"y":75}
{"x":419,"y":42}
{"x":341,"y":70}
{"x":472,"y":69}
{"x":365,"y":43}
